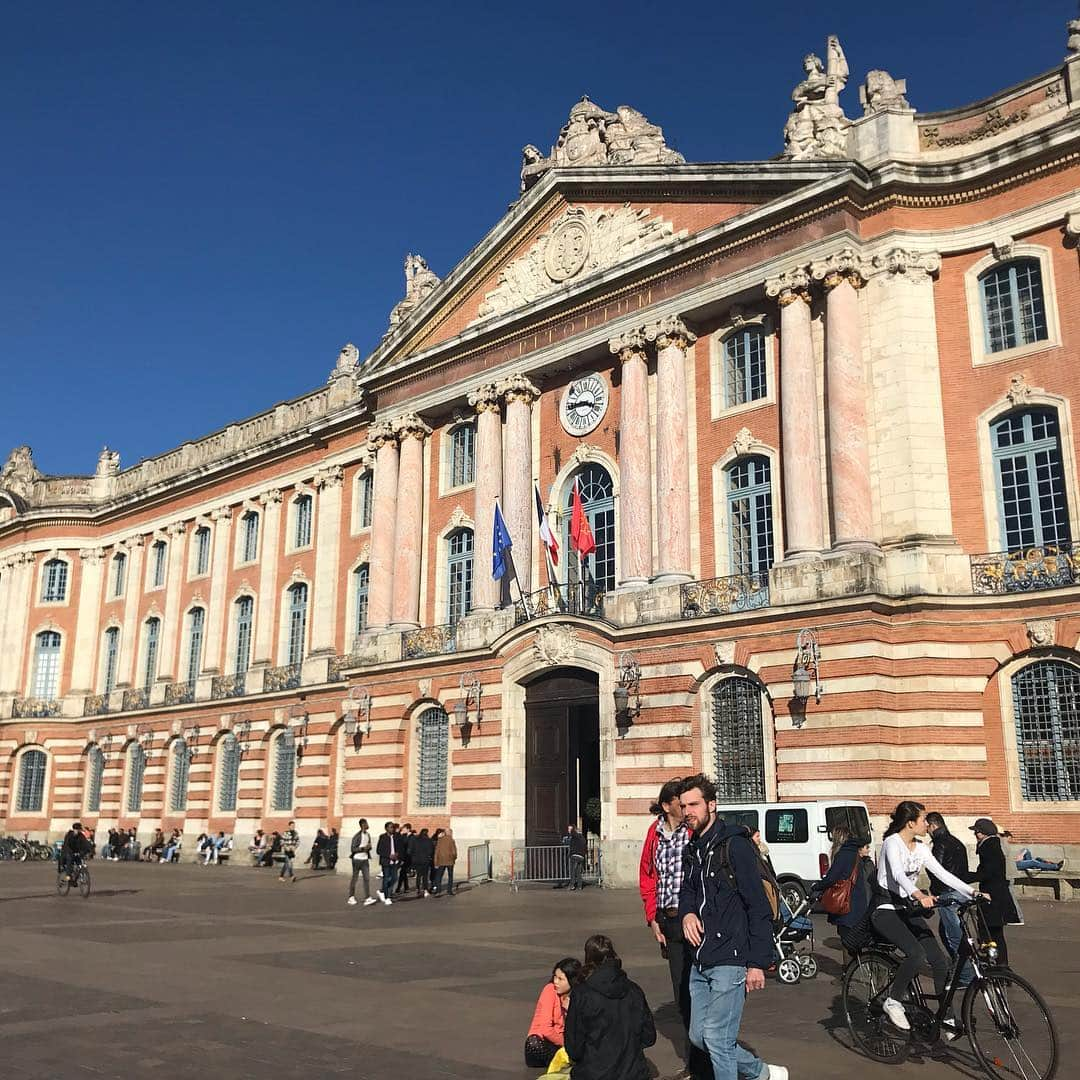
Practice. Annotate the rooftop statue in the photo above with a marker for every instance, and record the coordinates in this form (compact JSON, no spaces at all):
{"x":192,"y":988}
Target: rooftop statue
{"x":881,"y":92}
{"x":593,"y":136}
{"x":1073,"y":44}
{"x":108,"y":463}
{"x":420,"y":282}
{"x":817,"y":125}
{"x":19,"y":472}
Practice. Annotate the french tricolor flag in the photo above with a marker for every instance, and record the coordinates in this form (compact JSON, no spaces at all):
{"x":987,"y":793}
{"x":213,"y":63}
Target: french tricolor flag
{"x":546,"y":535}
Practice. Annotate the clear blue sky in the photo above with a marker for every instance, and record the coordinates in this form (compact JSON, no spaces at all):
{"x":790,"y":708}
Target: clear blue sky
{"x":200,"y":203}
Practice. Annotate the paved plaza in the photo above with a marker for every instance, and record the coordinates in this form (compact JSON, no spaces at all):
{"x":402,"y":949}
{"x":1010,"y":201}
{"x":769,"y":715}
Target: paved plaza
{"x":185,"y":971}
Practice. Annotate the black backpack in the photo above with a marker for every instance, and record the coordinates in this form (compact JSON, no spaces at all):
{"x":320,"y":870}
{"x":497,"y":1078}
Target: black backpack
{"x":768,"y":878}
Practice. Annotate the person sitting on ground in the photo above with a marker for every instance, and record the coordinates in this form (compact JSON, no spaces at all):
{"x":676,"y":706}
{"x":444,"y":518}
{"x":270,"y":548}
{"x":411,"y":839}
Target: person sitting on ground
{"x":608,"y":1023}
{"x":849,"y":851}
{"x":1027,"y":862}
{"x":257,"y":846}
{"x":546,"y":1032}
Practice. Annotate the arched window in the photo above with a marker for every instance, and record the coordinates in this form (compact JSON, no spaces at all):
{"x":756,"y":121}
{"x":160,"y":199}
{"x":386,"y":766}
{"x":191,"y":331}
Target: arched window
{"x":46,"y":665}
{"x":54,"y":579}
{"x":459,"y":574}
{"x":245,"y":610}
{"x":136,"y":772}
{"x":744,"y":366}
{"x":297,"y":614}
{"x":202,"y":550}
{"x":228,"y":773}
{"x":111,"y":658}
{"x":360,"y":576}
{"x":95,"y":774}
{"x":1046,"y":712}
{"x":1014,"y":311}
{"x":302,"y":521}
{"x":151,"y":633}
{"x":284,"y":761}
{"x":462,"y":455}
{"x":32,"y":766}
{"x":365,"y":499}
{"x":249,"y":537}
{"x":738,"y":741}
{"x":119,"y":574}
{"x":598,"y":502}
{"x":750,"y":520}
{"x":196,"y":622}
{"x":181,"y":768}
{"x":432,"y":759}
{"x":1030,"y":480}
{"x":157,"y":564}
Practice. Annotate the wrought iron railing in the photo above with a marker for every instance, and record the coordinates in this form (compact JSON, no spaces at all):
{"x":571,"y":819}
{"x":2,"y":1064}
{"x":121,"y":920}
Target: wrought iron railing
{"x":429,"y":641}
{"x":96,"y":705}
{"x":721,"y":596}
{"x":24,"y":708}
{"x":135,"y":699}
{"x":180,"y":693}
{"x":286,"y":677}
{"x":996,"y":573}
{"x":584,"y":599}
{"x":227,"y":686}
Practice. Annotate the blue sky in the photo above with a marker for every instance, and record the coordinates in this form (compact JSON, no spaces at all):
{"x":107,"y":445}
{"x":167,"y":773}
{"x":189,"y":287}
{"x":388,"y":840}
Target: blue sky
{"x":200,"y":203}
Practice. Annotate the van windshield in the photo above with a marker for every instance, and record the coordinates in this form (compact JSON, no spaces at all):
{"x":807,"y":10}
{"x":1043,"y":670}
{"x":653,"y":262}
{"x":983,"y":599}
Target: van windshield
{"x":854,"y":818}
{"x":749,"y":818}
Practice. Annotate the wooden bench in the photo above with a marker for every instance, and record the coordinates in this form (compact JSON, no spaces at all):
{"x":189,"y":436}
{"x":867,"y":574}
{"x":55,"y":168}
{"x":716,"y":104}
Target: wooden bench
{"x":1065,"y":883}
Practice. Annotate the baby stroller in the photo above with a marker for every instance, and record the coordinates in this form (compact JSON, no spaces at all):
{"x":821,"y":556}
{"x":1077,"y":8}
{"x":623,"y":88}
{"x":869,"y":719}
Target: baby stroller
{"x":793,"y":935}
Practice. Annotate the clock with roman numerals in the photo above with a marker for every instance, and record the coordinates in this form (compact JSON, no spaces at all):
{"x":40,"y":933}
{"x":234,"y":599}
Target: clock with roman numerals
{"x":584,"y":403}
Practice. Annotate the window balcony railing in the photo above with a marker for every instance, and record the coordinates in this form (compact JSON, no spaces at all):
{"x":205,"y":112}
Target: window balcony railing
{"x":285,"y":677}
{"x":338,"y":664}
{"x":722,"y":596}
{"x":996,"y":573}
{"x":227,"y":686}
{"x":25,"y":708}
{"x":180,"y":693}
{"x":429,"y":641}
{"x":583,"y":599}
{"x":135,"y":699}
{"x":96,"y":705}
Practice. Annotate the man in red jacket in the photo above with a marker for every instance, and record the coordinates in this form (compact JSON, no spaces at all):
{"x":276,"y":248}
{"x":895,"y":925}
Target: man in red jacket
{"x":659,"y":879}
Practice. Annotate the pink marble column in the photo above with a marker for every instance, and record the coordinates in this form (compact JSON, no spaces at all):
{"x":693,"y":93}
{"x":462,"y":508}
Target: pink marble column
{"x":672,"y":449}
{"x":487,"y":488}
{"x":635,"y":461}
{"x":519,"y":508}
{"x":383,"y":443}
{"x":845,"y":375}
{"x":409,"y":529}
{"x":798,"y":417}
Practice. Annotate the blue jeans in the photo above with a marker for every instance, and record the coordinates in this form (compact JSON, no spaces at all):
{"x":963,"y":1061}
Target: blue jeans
{"x":286,"y":866}
{"x":951,"y":932}
{"x":389,"y":877}
{"x":717,"y":995}
{"x":1028,"y":862}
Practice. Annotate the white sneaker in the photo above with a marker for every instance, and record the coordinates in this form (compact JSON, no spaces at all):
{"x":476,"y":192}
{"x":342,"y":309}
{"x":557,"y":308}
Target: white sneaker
{"x":369,"y":901}
{"x":895,"y":1012}
{"x":380,"y":895}
{"x":351,"y":901}
{"x":387,"y":901}
{"x":777,"y":1072}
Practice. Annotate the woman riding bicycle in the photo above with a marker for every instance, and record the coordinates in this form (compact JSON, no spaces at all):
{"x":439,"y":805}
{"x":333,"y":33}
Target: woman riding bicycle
{"x":901,"y":906}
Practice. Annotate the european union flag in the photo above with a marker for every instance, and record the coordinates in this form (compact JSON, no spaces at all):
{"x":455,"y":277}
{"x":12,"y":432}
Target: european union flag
{"x":500,"y":545}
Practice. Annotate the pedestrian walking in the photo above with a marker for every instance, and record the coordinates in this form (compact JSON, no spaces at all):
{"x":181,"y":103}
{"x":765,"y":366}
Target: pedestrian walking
{"x":660,"y":875}
{"x":993,"y":879}
{"x":727,"y":921}
{"x":577,"y":848}
{"x":404,"y":839}
{"x":360,"y":854}
{"x":950,"y":851}
{"x":290,"y":843}
{"x":445,"y":860}
{"x":389,"y":856}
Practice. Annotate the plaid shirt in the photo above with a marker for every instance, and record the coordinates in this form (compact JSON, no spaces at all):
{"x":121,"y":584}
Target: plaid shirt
{"x":669,"y":863}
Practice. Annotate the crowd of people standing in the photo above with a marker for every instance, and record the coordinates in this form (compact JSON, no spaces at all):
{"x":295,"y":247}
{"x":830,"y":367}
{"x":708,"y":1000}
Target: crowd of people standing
{"x":428,"y":855}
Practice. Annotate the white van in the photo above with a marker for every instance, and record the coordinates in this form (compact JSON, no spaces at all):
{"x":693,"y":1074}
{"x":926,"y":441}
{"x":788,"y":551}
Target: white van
{"x":799,"y":836}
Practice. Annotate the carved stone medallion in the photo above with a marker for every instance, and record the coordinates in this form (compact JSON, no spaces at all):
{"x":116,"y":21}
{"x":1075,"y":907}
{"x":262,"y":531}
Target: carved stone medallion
{"x":555,"y":644}
{"x":567,"y":250}
{"x":1041,"y":633}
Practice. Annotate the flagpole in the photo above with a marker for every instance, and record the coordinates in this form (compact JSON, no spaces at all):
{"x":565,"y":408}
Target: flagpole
{"x":509,"y":554}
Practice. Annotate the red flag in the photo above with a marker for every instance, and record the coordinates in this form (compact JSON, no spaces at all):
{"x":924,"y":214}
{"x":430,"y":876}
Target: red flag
{"x":581,"y":537}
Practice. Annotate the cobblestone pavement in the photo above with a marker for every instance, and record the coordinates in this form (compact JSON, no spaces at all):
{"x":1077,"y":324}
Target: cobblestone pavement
{"x":185,"y":971}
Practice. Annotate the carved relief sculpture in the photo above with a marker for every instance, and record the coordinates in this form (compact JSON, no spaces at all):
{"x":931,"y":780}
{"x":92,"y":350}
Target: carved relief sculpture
{"x":555,"y":644}
{"x":817,"y":127}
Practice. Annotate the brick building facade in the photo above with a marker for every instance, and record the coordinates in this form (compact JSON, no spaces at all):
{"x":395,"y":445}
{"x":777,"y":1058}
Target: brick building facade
{"x":829,"y":392}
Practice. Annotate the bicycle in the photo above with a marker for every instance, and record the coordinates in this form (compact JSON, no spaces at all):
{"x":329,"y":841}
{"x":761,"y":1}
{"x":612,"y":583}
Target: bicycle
{"x":78,"y":873}
{"x":1004,"y":1017}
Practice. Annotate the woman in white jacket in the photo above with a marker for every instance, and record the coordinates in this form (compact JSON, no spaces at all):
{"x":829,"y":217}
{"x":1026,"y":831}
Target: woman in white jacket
{"x":899,"y":864}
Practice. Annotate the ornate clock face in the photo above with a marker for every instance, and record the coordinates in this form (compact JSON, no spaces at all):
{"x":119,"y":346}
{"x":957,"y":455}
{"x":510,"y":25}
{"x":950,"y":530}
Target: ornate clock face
{"x":584,"y":404}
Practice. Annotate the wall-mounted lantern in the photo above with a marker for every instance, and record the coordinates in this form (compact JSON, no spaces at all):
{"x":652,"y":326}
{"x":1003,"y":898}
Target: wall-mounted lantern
{"x":470,"y":690}
{"x":356,"y":709}
{"x":805,"y":675}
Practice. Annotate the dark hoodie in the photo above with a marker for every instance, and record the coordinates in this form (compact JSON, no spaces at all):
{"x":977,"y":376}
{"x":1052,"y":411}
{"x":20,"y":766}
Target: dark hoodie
{"x":608,"y":1025}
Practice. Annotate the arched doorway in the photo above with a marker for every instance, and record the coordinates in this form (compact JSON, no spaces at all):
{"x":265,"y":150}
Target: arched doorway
{"x":562,"y":753}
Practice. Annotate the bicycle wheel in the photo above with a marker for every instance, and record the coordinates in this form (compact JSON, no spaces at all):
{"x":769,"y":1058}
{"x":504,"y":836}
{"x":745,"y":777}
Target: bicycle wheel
{"x":866,"y":985}
{"x":84,"y":882}
{"x":1010,"y":1028}
{"x":63,"y":884}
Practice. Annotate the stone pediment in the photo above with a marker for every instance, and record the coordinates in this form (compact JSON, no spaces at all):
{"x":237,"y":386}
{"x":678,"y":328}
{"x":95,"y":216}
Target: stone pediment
{"x":580,"y":242}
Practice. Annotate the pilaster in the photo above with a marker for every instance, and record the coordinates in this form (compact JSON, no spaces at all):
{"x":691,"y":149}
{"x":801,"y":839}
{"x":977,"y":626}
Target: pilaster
{"x":86,"y":621}
{"x":135,"y":548}
{"x":327,"y":483}
{"x":487,"y":489}
{"x":171,"y":620}
{"x":383,"y":444}
{"x":266,"y":610}
{"x":219,"y":570}
{"x":518,"y":504}
{"x":408,"y":530}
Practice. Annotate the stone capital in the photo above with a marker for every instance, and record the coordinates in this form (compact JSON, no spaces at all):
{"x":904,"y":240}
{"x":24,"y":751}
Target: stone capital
{"x":176,"y":529}
{"x":132,"y":543}
{"x":670,"y":330}
{"x":379,"y":435}
{"x":270,"y":498}
{"x":844,"y":265}
{"x":518,"y":387}
{"x":790,"y":285}
{"x":485,"y":398}
{"x":92,"y":555}
{"x":222,"y":515}
{"x":917,"y":265}
{"x":410,"y":426}
{"x":331,"y":476}
{"x":629,"y":346}
{"x":1072,"y":225}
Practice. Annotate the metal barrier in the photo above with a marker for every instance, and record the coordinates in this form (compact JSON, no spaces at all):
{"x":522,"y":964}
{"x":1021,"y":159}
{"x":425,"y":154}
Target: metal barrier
{"x":480,"y":862}
{"x":551,"y":864}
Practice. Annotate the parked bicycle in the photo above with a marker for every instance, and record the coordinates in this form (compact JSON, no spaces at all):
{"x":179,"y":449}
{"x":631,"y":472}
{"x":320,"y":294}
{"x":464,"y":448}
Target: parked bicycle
{"x":77,"y":874}
{"x":1009,"y":1026}
{"x":16,"y":850}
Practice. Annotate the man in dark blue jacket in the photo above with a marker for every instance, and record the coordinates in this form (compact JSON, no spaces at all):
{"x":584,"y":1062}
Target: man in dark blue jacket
{"x":728,"y":923}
